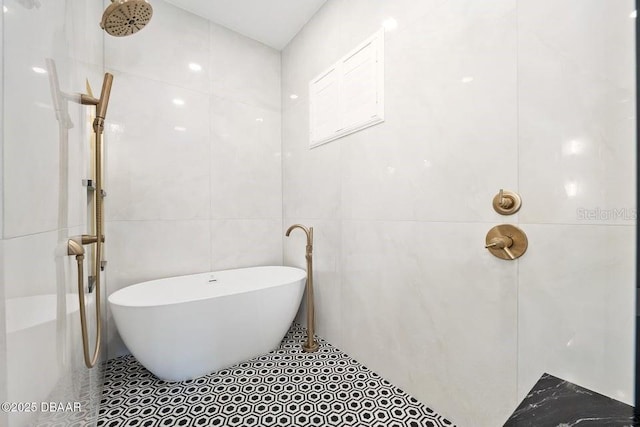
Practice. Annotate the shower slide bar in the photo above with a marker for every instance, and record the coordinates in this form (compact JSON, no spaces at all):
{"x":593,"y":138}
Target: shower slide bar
{"x":75,"y":245}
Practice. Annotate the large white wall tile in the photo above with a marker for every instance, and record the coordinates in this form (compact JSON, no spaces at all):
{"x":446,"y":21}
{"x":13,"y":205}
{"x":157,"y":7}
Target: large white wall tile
{"x":314,"y":49}
{"x":243,"y":69}
{"x":361,"y":18}
{"x":576,"y":307}
{"x":576,"y":111}
{"x":163,"y":50}
{"x":144,"y":250}
{"x":46,"y":161}
{"x":312,"y":182}
{"x":238,"y":243}
{"x":157,"y":151}
{"x":246,"y":175}
{"x":32,"y":27}
{"x":20,"y":279}
{"x":42,"y":28}
{"x":31,"y":146}
{"x":57,"y":28}
{"x":425,"y":305}
{"x":84,"y":39}
{"x":566,"y":27}
{"x":439,"y":141}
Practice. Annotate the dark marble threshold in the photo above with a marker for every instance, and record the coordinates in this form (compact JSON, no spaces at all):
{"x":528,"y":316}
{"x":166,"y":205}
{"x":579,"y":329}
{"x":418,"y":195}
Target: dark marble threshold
{"x":553,"y":402}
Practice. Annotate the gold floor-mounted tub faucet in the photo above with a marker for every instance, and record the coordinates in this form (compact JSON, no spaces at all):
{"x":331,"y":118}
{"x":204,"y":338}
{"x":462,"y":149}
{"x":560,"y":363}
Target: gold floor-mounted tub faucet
{"x":311,"y":345}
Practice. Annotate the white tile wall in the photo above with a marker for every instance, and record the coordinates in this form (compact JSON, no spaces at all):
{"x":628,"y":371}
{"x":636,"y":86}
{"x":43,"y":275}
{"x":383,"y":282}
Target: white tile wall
{"x":307,"y":55}
{"x":243,"y":70}
{"x":31,"y":151}
{"x":575,"y":310}
{"x":34,"y":28}
{"x":577,"y":176}
{"x":237,"y":243}
{"x":44,"y":249}
{"x":144,"y":250}
{"x":171,"y":41}
{"x":156,"y":172}
{"x":245,"y":161}
{"x":311,"y":177}
{"x":478,"y":98}
{"x":415,"y":317}
{"x":577,"y":115}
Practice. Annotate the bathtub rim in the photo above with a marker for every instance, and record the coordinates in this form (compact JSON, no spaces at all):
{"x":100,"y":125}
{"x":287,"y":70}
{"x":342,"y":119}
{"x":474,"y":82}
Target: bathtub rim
{"x":137,"y":305}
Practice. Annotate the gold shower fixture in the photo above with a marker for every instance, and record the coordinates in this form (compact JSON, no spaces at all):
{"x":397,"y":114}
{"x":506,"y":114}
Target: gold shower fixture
{"x":506,"y":242}
{"x":311,"y":345}
{"x":126,"y":17}
{"x":75,"y":244}
{"x":507,"y":202}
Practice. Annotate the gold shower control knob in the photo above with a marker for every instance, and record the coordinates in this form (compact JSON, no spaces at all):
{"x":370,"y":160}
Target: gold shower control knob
{"x":507,"y":202}
{"x":506,"y":241}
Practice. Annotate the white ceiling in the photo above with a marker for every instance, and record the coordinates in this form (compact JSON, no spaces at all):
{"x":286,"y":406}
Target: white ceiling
{"x":272,"y":22}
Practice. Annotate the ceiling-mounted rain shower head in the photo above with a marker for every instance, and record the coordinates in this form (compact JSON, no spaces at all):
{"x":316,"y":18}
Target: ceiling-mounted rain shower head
{"x":125,"y":17}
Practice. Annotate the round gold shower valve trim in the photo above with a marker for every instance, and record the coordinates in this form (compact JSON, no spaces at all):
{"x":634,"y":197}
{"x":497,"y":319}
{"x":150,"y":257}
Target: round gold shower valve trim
{"x":507,"y":202}
{"x":506,"y":241}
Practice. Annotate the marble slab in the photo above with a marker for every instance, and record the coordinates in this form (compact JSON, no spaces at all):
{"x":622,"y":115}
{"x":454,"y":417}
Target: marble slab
{"x":554,"y":402}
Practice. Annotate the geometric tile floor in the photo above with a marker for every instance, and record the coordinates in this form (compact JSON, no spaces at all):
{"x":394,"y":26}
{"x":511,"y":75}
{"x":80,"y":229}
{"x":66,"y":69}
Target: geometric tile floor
{"x":286,"y":387}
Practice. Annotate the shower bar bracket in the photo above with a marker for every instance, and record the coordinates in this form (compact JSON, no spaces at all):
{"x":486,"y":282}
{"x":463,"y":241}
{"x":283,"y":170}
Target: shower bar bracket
{"x":89,"y":184}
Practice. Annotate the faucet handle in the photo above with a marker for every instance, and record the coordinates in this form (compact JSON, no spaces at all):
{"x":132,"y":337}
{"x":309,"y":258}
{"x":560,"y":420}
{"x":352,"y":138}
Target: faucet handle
{"x":502,"y":242}
{"x":506,"y":202}
{"x":506,"y":242}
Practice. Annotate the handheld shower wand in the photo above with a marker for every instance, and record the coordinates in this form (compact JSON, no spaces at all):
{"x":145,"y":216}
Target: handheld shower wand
{"x":103,"y":102}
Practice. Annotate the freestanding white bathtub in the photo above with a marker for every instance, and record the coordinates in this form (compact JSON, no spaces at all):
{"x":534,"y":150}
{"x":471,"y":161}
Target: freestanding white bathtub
{"x":185,"y":327}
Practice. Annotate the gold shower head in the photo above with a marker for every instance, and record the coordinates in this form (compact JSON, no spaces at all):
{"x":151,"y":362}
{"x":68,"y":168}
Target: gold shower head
{"x":125,"y":17}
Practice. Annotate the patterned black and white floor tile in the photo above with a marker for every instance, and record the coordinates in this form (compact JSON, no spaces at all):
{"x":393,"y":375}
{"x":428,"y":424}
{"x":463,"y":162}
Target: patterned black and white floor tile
{"x":286,"y":387}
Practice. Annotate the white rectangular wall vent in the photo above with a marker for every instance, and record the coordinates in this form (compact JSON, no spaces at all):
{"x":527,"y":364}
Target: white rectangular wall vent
{"x":349,"y":96}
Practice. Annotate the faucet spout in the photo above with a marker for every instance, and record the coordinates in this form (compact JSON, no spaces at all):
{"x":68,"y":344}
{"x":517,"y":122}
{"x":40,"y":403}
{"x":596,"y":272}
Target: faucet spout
{"x":307,"y":231}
